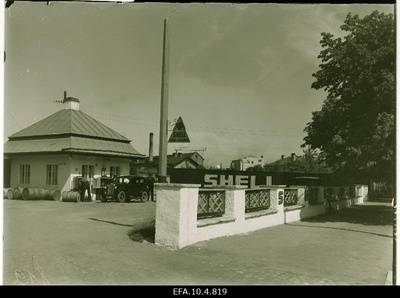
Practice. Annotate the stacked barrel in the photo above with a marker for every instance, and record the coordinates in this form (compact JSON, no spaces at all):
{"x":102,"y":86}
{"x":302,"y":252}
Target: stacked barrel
{"x":36,"y":193}
{"x":31,"y":193}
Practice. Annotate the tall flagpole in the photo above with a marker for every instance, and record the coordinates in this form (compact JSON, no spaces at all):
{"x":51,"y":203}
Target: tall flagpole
{"x":162,"y":163}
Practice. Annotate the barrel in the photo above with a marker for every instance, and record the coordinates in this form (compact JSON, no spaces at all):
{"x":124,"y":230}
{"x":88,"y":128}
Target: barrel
{"x":41,"y":194}
{"x":71,"y":196}
{"x":45,"y":194}
{"x":18,"y":193}
{"x":33,"y":193}
{"x":5,"y":193}
{"x":10,"y":194}
{"x":53,"y":194}
{"x":29,"y":193}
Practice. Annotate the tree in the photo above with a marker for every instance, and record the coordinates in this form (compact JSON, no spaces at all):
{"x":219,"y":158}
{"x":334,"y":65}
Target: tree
{"x":311,"y":161}
{"x":314,"y":161}
{"x":256,"y":168}
{"x":355,"y":129}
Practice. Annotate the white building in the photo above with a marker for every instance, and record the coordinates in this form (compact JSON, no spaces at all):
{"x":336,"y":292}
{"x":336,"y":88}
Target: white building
{"x":247,"y":162}
{"x":68,"y":143}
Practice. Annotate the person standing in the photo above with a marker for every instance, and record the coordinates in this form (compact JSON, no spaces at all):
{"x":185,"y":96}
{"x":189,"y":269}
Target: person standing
{"x":84,"y":187}
{"x":150,"y":184}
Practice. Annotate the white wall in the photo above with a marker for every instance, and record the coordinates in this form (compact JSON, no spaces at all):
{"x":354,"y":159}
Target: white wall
{"x":38,"y":170}
{"x":176,"y":213}
{"x":68,"y":167}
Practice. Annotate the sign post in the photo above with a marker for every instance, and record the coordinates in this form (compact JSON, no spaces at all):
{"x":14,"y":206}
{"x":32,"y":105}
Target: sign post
{"x":162,"y":166}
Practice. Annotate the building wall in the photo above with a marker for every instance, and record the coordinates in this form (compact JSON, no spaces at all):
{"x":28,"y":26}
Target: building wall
{"x":98,"y":162}
{"x":38,"y":170}
{"x":68,"y":167}
{"x":197,"y":158}
{"x":186,"y":164}
{"x":247,"y":162}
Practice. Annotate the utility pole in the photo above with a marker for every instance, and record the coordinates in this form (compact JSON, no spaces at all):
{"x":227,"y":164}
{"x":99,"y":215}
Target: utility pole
{"x":162,"y":162}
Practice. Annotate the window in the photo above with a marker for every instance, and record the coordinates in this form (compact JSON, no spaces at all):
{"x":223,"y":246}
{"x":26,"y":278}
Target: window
{"x":115,"y":171}
{"x":87,"y":171}
{"x":52,"y":174}
{"x":25,"y":174}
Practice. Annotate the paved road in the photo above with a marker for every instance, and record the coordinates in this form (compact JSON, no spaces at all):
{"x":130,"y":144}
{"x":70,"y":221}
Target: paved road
{"x":68,"y":243}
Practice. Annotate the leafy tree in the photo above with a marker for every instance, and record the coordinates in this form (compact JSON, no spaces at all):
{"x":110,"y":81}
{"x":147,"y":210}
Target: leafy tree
{"x":256,"y":168}
{"x":312,"y":161}
{"x":355,"y":129}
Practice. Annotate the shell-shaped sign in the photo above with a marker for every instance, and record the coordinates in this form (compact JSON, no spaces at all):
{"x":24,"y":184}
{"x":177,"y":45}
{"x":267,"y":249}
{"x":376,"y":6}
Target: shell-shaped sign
{"x":179,"y":134}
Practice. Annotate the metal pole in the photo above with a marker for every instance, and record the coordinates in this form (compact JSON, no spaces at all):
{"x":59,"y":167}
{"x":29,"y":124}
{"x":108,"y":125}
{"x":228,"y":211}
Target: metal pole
{"x":394,"y":270}
{"x":162,"y":166}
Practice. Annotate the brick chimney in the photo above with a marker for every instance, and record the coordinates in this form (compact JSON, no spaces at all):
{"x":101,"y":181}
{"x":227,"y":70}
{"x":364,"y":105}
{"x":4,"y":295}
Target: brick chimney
{"x":151,"y":147}
{"x":71,"y":103}
{"x":282,"y":156}
{"x":293,"y":156}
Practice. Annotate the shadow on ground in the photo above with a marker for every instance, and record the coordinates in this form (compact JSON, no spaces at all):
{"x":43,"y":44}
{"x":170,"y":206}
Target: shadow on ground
{"x":377,"y":215}
{"x":143,"y":232}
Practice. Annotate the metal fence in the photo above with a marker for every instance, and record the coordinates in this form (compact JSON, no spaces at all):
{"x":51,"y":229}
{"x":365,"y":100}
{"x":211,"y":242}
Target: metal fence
{"x":344,"y":193}
{"x":256,"y":200}
{"x":312,"y":194}
{"x":211,"y":203}
{"x":290,"y":197}
{"x":328,"y":194}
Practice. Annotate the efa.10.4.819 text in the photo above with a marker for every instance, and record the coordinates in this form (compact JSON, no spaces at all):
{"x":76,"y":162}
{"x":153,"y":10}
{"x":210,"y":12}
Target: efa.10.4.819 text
{"x":200,"y":291}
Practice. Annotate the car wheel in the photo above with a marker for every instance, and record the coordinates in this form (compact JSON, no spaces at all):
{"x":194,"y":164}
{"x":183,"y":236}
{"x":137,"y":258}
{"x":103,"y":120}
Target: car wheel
{"x":102,"y":198}
{"x":122,"y":197}
{"x":144,"y":197}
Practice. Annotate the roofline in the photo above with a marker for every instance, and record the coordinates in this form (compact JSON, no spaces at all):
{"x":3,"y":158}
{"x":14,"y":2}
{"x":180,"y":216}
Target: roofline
{"x":102,"y":152}
{"x":176,"y":162}
{"x":65,"y":135}
{"x":120,"y":155}
{"x":70,"y":99}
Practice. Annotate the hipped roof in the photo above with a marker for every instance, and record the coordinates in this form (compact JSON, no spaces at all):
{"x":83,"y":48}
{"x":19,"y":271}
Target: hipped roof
{"x":70,"y":131}
{"x":69,"y":122}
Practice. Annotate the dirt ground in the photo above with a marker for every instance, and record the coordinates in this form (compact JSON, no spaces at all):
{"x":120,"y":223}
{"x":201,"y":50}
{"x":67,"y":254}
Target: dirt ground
{"x":48,"y":242}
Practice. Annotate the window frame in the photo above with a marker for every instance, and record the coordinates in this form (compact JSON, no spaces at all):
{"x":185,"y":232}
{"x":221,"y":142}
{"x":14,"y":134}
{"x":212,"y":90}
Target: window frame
{"x":52,"y":174}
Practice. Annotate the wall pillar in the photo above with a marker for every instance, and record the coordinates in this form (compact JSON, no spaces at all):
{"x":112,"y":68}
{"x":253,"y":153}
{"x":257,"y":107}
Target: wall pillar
{"x":321,"y":196}
{"x":235,"y":202}
{"x":277,"y":203}
{"x":176,"y":214}
{"x":364,"y":193}
{"x":301,"y":196}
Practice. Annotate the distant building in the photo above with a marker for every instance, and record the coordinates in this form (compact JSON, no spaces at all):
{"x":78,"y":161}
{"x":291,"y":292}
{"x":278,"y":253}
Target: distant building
{"x":183,"y":160}
{"x":247,"y":162}
{"x":284,"y":160}
{"x":68,"y":143}
{"x":192,"y":160}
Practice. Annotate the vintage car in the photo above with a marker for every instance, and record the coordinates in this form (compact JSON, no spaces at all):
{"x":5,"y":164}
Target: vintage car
{"x":132,"y":187}
{"x":105,"y":188}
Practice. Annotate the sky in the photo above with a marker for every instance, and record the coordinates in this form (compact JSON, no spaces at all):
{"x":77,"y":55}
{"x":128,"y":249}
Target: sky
{"x":240,"y":74}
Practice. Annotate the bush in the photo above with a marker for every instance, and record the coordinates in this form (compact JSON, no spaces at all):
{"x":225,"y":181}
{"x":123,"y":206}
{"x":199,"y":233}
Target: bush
{"x":144,"y":232}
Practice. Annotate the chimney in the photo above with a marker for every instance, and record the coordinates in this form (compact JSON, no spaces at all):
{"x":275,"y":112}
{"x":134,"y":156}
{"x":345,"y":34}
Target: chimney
{"x":71,"y":103}
{"x":293,"y":156}
{"x":151,"y":147}
{"x":282,"y":156}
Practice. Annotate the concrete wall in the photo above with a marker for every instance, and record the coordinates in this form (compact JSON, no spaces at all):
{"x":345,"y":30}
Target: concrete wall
{"x":38,"y":165}
{"x":68,"y":167}
{"x":176,"y":213}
